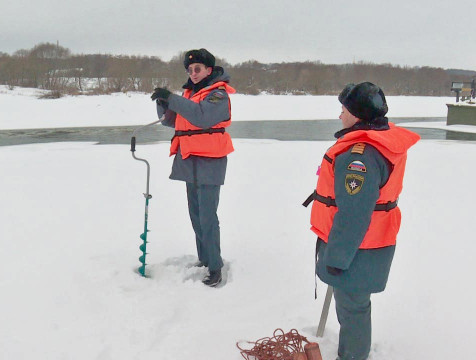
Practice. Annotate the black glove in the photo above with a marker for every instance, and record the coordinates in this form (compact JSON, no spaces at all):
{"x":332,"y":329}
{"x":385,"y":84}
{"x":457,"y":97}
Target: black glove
{"x":160,"y":93}
{"x":333,"y":270}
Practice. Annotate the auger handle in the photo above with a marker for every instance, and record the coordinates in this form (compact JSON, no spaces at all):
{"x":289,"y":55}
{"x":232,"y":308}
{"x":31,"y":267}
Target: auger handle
{"x":133,"y":143}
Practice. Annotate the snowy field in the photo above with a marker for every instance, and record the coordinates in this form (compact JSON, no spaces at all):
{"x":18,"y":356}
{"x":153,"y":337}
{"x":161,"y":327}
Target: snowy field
{"x":72,"y":213}
{"x":21,"y":109}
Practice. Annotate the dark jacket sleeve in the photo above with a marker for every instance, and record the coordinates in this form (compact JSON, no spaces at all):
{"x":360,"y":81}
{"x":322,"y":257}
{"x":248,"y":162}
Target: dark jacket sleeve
{"x":210,"y":111}
{"x":354,"y":210}
{"x":169,"y":119}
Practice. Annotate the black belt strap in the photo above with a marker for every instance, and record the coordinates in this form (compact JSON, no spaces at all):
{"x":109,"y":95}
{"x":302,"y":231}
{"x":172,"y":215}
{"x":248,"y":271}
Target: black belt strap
{"x":200,"y":131}
{"x":332,"y":202}
{"x":389,"y":205}
{"x":315,"y":196}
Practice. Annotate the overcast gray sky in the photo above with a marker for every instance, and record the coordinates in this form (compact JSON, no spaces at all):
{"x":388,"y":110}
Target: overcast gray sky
{"x":405,"y":32}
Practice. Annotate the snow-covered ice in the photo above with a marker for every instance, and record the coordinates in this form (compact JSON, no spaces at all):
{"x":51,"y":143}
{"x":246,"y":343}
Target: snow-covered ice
{"x":22,"y":110}
{"x":72,"y":213}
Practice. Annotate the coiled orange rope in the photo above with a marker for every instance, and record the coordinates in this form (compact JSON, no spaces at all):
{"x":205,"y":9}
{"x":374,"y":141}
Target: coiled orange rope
{"x":281,"y":346}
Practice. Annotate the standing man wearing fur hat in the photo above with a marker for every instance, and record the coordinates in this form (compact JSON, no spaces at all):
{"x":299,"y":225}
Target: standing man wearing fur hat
{"x":355,"y":213}
{"x":201,"y":145}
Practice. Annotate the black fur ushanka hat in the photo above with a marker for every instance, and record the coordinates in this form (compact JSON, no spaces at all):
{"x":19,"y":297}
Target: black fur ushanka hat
{"x":201,"y":56}
{"x":365,"y":101}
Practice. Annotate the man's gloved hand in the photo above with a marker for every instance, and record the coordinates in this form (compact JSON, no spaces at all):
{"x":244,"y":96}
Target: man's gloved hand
{"x":160,"y":93}
{"x":333,"y":271}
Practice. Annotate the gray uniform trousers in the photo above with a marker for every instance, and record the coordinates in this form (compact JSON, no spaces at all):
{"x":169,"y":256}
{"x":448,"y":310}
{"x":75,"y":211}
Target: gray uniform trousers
{"x":202,"y":206}
{"x":353,"y":312}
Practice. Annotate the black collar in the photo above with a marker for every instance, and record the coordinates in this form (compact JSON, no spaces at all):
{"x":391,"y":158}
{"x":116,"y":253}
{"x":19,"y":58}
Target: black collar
{"x":377,"y":124}
{"x":198,"y":86}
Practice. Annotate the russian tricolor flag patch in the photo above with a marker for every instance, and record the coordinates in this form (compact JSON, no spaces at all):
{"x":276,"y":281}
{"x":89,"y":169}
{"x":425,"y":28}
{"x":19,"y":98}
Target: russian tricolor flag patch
{"x":357,"y":166}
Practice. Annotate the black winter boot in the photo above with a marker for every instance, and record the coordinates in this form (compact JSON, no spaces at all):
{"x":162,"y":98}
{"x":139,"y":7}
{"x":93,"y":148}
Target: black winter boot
{"x":213,"y":279}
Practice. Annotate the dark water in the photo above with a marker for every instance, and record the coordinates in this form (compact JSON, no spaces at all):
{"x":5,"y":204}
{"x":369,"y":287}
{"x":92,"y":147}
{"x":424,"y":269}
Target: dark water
{"x":295,"y":130}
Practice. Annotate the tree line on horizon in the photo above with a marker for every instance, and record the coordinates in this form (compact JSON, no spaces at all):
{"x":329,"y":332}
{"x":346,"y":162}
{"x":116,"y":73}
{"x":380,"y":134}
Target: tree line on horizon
{"x":53,"y":67}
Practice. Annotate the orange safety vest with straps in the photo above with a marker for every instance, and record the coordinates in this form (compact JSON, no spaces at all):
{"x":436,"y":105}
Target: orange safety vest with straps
{"x":192,"y":140}
{"x":385,"y":221}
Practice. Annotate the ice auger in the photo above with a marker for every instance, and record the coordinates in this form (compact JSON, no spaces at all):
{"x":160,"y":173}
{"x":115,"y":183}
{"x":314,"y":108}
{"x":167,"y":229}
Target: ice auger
{"x":148,"y":196}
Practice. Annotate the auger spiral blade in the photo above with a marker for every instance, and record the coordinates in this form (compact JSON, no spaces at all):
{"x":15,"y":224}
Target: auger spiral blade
{"x":143,"y":249}
{"x":141,"y":270}
{"x":142,"y":259}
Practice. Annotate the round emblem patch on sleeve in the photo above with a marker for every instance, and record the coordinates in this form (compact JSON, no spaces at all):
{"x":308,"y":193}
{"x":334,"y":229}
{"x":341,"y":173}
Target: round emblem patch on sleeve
{"x":353,"y":183}
{"x":217,"y":96}
{"x":357,"y":166}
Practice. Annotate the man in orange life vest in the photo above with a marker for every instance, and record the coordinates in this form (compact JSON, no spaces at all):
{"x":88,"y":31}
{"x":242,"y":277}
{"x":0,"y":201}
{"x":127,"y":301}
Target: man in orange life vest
{"x":201,"y":145}
{"x":355,"y":213}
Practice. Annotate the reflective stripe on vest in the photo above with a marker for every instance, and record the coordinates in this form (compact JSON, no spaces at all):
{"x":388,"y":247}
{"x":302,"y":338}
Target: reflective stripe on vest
{"x":384,"y":225}
{"x":202,"y":142}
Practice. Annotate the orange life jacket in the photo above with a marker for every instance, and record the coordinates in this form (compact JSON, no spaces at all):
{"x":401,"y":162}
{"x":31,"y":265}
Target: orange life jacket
{"x":213,"y":142}
{"x":384,"y":224}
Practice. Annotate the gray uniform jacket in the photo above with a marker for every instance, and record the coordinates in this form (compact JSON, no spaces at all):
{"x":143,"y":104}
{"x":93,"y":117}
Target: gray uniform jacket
{"x":363,"y":270}
{"x":205,"y":114}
